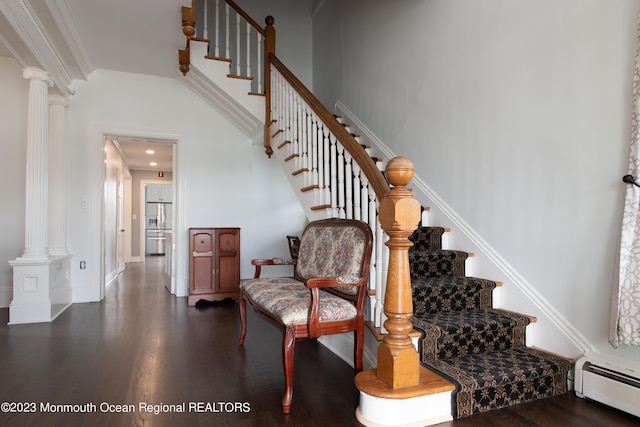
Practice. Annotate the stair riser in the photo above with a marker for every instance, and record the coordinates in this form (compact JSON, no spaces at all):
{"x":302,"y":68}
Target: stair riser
{"x":426,"y":264}
{"x":435,"y":346}
{"x":447,"y":298}
{"x":427,"y":238}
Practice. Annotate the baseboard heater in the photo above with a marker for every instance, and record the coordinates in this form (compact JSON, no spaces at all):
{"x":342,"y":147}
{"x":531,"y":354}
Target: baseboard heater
{"x":608,"y":382}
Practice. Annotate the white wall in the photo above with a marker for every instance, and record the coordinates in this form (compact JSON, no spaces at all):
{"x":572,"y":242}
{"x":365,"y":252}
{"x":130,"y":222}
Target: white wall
{"x":516,"y":113}
{"x":13,"y":123}
{"x":221,"y":180}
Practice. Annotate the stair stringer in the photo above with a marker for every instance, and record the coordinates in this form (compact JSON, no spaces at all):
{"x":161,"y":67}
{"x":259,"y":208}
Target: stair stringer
{"x":551,"y":331}
{"x":307,"y":199}
{"x":208,"y":78}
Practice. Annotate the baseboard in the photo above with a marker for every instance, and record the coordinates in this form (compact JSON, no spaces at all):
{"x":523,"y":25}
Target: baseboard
{"x":507,"y":274}
{"x":85,"y":294}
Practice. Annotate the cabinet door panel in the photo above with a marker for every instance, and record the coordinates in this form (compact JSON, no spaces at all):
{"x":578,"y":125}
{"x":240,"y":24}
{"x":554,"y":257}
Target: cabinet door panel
{"x":227,"y":242}
{"x":202,"y":274}
{"x":202,"y":242}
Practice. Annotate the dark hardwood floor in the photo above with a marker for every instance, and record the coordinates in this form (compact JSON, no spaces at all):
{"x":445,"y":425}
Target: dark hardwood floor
{"x":141,"y":346}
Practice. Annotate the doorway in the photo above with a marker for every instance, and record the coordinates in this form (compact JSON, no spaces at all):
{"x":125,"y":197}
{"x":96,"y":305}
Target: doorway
{"x":131,"y":162}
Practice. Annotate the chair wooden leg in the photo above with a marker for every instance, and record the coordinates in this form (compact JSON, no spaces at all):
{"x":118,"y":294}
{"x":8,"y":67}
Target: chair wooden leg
{"x":288,"y":347}
{"x":243,"y":319}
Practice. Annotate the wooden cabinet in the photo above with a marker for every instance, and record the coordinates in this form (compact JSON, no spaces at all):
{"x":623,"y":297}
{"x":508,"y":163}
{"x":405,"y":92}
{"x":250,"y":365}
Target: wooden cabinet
{"x":214,"y":264}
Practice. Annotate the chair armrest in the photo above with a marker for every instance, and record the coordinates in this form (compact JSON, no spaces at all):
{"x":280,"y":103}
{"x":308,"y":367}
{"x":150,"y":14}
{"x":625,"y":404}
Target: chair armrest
{"x":273,"y":261}
{"x":326,"y":282}
{"x":334,"y":282}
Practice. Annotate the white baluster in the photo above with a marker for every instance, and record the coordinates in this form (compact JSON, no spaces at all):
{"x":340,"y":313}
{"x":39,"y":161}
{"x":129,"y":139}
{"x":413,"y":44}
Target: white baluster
{"x":227,"y":41}
{"x":334,"y":173}
{"x":248,"y":49}
{"x":217,"y":40}
{"x":296,"y":123}
{"x":372,"y":217}
{"x":259,"y":64}
{"x":205,"y":31}
{"x":321,"y":151}
{"x":237,"y":55}
{"x":303,"y":136}
{"x":364,"y":197}
{"x":314,"y":149}
{"x":326,"y":168}
{"x":341,"y":196}
{"x":356,"y":191}
{"x":349,"y":186}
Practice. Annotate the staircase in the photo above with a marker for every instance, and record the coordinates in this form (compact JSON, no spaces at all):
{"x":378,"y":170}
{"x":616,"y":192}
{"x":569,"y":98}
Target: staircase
{"x":478,"y":348}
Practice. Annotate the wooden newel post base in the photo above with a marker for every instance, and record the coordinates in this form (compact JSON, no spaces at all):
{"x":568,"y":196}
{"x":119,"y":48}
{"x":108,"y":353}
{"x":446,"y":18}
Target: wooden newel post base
{"x":398,"y":360}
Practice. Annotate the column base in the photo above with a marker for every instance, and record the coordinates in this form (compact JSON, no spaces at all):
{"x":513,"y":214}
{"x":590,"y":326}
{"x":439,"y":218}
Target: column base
{"x":426,"y":404}
{"x":41,"y":289}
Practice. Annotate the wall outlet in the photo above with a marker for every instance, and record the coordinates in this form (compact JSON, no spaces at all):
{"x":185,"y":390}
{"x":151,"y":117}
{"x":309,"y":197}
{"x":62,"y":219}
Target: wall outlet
{"x":83,"y":265}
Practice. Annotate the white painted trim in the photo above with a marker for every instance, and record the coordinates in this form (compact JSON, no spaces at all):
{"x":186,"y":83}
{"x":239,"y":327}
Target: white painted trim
{"x":457,"y":223}
{"x":413,"y":412}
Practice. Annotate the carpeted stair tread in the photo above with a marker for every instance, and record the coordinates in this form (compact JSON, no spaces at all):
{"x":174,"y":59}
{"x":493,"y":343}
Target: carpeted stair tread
{"x":449,"y":293}
{"x":433,"y":263}
{"x":427,"y":238}
{"x":451,"y":334}
{"x":502,"y":378}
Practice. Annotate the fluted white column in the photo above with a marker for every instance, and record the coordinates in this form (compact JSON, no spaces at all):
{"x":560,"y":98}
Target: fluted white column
{"x":57,"y":176}
{"x":36,"y":215}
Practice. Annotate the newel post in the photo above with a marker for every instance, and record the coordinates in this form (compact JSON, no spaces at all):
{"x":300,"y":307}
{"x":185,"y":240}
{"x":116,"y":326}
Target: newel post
{"x":269,"y":48}
{"x":398,"y":360}
{"x":189,"y":30}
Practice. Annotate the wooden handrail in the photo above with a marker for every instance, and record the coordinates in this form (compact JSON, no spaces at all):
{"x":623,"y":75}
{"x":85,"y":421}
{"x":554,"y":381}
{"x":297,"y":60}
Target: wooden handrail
{"x":246,"y":17}
{"x":373,"y":174}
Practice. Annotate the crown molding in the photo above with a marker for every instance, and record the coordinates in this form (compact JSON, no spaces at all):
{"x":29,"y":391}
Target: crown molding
{"x":43,"y":34}
{"x":61,"y":13}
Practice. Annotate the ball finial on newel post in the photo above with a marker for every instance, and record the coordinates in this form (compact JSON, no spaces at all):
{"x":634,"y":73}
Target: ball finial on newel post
{"x":398,"y":360}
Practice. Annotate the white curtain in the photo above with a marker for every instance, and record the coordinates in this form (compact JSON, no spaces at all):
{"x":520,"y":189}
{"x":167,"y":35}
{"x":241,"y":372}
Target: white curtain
{"x":625,"y":313}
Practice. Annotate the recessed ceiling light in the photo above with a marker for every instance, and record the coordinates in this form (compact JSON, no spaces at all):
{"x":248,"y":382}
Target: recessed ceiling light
{"x":153,"y":164}
{"x":150,"y":151}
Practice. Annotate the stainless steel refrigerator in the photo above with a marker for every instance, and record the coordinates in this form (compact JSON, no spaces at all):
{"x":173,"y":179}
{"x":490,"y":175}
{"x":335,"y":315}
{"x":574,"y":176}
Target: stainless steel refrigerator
{"x":158,"y":223}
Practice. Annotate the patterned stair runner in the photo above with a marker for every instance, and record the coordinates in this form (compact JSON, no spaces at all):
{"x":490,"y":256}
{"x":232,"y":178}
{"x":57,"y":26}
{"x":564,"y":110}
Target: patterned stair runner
{"x":480,"y":349}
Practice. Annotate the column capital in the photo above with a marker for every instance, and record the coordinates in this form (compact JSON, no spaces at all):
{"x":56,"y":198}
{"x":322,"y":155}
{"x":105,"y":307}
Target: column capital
{"x":56,"y":99}
{"x":33,"y":73}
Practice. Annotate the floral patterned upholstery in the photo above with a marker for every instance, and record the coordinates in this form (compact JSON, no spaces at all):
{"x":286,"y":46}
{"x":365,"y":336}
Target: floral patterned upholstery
{"x":331,"y":252}
{"x":289,"y":300}
{"x":324,"y":252}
